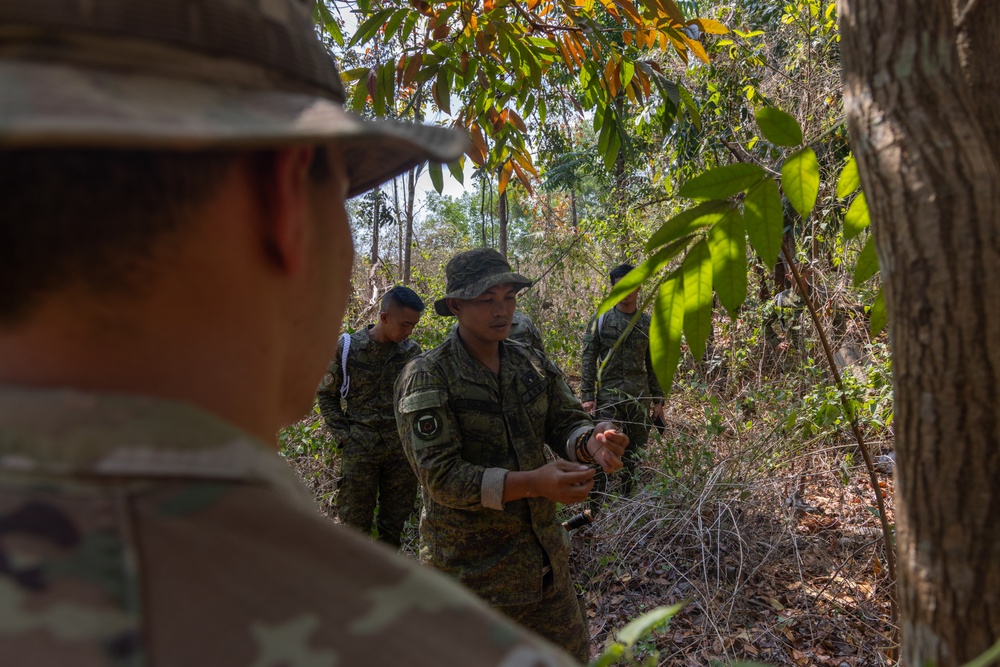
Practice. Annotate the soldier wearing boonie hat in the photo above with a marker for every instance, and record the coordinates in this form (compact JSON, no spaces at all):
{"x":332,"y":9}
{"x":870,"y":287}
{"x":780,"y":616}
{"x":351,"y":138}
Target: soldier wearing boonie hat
{"x":174,"y":255}
{"x":474,"y":415}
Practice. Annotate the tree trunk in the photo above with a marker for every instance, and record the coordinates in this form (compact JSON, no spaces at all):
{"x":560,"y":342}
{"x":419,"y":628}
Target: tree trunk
{"x":502,"y":215}
{"x":376,"y":214}
{"x":927,"y":146}
{"x":411,"y":195}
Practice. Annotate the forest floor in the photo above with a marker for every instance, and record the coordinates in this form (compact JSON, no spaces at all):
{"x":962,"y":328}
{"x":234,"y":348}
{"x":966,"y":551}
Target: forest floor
{"x":787,"y":569}
{"x":766,"y":530}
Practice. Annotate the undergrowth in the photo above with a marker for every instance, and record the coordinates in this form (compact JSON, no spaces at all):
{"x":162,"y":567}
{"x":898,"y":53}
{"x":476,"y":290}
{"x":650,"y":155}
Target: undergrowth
{"x":753,"y":510}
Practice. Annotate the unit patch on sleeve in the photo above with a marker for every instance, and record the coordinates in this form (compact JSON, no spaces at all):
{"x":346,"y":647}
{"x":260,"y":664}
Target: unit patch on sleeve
{"x":426,"y":425}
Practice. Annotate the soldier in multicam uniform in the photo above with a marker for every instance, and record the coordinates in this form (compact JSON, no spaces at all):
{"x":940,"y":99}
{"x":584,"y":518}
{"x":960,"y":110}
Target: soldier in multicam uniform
{"x":175,"y":259}
{"x":627,"y":386}
{"x":373,"y":469}
{"x":474,"y":414}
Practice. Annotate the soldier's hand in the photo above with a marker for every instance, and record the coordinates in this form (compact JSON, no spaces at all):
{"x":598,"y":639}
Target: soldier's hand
{"x":658,"y":411}
{"x":564,"y":481}
{"x":607,"y":446}
{"x":589,"y":406}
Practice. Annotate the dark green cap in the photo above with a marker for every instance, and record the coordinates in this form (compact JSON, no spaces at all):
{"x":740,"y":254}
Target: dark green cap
{"x":472,"y":272}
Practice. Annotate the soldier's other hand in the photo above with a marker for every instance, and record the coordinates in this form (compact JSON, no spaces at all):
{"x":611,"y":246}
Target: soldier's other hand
{"x":658,"y":411}
{"x":589,"y":406}
{"x":607,"y":446}
{"x":564,"y":481}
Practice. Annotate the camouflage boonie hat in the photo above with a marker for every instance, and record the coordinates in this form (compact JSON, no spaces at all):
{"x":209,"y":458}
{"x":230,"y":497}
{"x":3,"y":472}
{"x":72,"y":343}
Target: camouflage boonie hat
{"x":472,"y":272}
{"x":197,"y":74}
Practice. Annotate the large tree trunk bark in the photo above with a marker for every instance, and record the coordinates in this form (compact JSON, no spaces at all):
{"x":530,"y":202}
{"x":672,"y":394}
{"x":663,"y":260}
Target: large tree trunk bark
{"x":927,"y":146}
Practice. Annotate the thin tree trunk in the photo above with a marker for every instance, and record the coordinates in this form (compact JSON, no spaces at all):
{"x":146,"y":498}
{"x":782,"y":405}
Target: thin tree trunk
{"x":926,"y":143}
{"x":502,"y":206}
{"x":375,"y":218}
{"x":411,"y":194}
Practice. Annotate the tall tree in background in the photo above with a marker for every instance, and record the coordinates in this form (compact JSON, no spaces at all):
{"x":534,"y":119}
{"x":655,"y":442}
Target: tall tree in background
{"x":922,"y":91}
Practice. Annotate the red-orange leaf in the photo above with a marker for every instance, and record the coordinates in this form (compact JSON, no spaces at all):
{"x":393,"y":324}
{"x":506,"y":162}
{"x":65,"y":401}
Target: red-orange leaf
{"x":505,"y":172}
{"x":410,"y":74}
{"x":696,"y":48}
{"x":516,"y":120}
{"x":521,"y":176}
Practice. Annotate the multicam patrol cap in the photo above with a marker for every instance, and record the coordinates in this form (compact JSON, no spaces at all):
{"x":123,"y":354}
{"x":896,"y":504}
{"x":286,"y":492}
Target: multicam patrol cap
{"x":472,"y":272}
{"x":197,"y":74}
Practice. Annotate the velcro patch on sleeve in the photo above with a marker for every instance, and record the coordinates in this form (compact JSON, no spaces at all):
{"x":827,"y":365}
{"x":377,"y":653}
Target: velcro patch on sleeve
{"x":422,"y":400}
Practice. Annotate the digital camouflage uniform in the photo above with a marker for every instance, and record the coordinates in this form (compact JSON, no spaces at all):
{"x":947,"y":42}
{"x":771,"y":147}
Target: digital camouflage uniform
{"x":523,"y":330}
{"x":786,"y":320}
{"x":374,"y":470}
{"x":463,"y":428}
{"x":135,"y":531}
{"x":626,"y":386}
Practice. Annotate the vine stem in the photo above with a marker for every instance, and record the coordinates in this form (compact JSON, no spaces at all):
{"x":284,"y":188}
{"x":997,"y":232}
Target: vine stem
{"x":890,"y":551}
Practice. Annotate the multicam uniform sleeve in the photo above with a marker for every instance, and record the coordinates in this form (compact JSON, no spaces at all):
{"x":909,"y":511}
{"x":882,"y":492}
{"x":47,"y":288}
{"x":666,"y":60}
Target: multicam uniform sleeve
{"x":432,"y":442}
{"x":328,"y":397}
{"x":566,"y":419}
{"x":588,"y":365}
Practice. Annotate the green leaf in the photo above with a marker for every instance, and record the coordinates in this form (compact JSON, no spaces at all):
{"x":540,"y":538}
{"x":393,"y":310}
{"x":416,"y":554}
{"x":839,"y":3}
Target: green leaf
{"x":727,"y":243}
{"x":368,"y":29}
{"x":867,"y":265}
{"x":689,"y":221}
{"x":878,"y":316}
{"x":697,"y":270}
{"x":360,"y":95}
{"x":800,"y":180}
{"x":722,"y":182}
{"x":691,"y":106}
{"x":856,"y":219}
{"x":641,"y":274}
{"x":614,"y":145}
{"x":437,"y":177}
{"x":764,"y":220}
{"x":442,"y":91}
{"x":646,"y":623}
{"x":665,"y":330}
{"x":778,"y":127}
{"x":411,"y":22}
{"x":393,"y":23}
{"x":609,"y":656}
{"x":850,"y":179}
{"x":457,"y":169}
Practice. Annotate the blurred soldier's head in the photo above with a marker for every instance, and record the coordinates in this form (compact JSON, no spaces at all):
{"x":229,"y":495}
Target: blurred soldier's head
{"x":401,"y":310}
{"x":175,"y":174}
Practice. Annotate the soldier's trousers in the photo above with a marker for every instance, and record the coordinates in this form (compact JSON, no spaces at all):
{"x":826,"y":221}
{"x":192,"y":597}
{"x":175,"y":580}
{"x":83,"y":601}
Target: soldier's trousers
{"x":633,"y":418}
{"x":559,"y":617}
{"x":373,"y":474}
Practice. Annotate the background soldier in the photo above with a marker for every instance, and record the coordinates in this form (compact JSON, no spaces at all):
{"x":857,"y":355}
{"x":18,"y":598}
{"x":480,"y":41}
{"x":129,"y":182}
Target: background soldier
{"x":523,"y":330}
{"x":473,"y":415}
{"x":373,"y":469}
{"x":627,"y":385}
{"x":175,"y":260}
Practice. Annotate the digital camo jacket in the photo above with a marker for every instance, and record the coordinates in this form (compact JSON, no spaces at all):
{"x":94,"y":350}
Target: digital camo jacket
{"x":463,"y":428}
{"x":372,"y":369}
{"x":141,"y":532}
{"x":629,"y":372}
